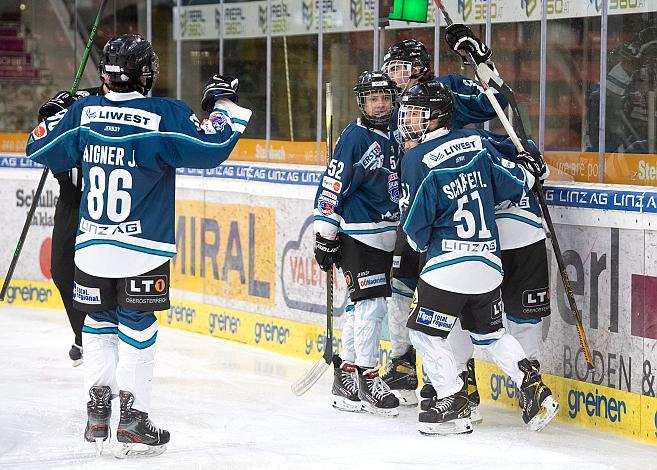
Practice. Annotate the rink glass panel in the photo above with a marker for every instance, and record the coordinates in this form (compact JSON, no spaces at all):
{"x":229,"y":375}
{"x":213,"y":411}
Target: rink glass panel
{"x":294,"y":88}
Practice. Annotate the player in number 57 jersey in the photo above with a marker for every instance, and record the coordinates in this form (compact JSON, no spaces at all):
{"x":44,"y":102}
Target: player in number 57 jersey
{"x":129,"y":147}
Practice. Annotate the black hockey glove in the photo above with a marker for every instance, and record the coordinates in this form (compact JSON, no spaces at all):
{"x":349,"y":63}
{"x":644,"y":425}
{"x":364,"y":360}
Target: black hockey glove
{"x":533,"y":163}
{"x":327,"y":252}
{"x":462,"y":40}
{"x":219,"y":86}
{"x":59,"y":102}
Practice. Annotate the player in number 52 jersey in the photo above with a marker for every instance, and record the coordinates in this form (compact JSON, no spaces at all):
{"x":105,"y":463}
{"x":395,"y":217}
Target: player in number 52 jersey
{"x":129,"y":147}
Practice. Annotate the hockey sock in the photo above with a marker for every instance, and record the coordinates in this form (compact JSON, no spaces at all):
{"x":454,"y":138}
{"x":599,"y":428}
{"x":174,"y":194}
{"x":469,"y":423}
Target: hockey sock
{"x":368,"y":319}
{"x":462,"y":347}
{"x":348,"y":354}
{"x":398,"y":308}
{"x":438,"y":362}
{"x":504,"y":350}
{"x":99,"y":342}
{"x":134,"y":371}
{"x":528,"y":335}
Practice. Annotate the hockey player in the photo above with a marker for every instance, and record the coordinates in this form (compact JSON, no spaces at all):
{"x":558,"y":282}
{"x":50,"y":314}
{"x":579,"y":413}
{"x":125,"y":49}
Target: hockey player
{"x":452,"y":180}
{"x":408,"y":62}
{"x":525,"y":288}
{"x":129,"y":147}
{"x":355,"y":218}
{"x":65,"y":226}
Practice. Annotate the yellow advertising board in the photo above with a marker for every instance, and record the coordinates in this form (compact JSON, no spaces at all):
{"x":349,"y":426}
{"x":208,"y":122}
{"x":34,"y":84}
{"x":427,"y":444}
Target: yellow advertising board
{"x":13,"y":142}
{"x":226,"y":250}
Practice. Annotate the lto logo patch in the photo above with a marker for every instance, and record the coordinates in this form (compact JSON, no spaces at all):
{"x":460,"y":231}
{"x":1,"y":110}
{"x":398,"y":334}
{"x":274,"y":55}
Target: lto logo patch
{"x":147,"y":286}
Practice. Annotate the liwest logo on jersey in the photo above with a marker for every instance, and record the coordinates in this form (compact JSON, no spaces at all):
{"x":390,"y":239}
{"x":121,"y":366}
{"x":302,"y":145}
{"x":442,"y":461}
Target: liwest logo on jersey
{"x":118,"y":115}
{"x":436,"y":320}
{"x":371,"y":281}
{"x":449,"y":149}
{"x":147,"y":286}
{"x":86,"y":295}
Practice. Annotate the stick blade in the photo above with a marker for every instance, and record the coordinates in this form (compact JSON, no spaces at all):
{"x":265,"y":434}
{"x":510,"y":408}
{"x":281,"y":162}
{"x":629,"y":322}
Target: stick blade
{"x":310,"y":378}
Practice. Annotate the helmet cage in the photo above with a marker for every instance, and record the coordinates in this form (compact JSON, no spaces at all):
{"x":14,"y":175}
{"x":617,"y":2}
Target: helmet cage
{"x":399,"y":70}
{"x":378,"y":119}
{"x":413,"y":121}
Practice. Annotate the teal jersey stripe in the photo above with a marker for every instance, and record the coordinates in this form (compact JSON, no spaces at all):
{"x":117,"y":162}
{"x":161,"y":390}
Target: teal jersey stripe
{"x":137,"y":344}
{"x":519,"y":218}
{"x":128,"y":246}
{"x":461,"y":260}
{"x":170,"y":135}
{"x":327,"y":219}
{"x":522,"y":320}
{"x":369,"y":230}
{"x":100,"y":331}
{"x":57,"y":139}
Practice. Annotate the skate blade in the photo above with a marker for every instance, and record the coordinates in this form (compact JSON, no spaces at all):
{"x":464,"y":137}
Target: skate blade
{"x":406,"y":397}
{"x":549,"y":409}
{"x":344,"y":404}
{"x":475,"y":415}
{"x":379,"y":411}
{"x":134,"y":450}
{"x":99,"y":446}
{"x":456,"y":426}
{"x":77,"y":362}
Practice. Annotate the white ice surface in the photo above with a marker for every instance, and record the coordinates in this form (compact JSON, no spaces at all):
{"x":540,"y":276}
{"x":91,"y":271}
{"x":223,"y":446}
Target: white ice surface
{"x":230,"y":406}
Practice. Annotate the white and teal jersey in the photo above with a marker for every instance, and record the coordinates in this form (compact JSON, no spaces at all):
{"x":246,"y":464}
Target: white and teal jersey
{"x":359,"y":191}
{"x":129,"y":147}
{"x":451,"y":183}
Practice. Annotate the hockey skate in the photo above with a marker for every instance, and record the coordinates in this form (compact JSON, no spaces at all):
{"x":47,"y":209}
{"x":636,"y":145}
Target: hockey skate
{"x":449,"y":415}
{"x":345,"y":386}
{"x":137,"y":435}
{"x":99,"y":411}
{"x":75,"y":353}
{"x":400,"y":374}
{"x":535,"y":398}
{"x":375,"y":395}
{"x":473,"y":393}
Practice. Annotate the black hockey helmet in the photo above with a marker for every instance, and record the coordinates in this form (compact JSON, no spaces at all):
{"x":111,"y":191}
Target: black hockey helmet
{"x":422,"y":103}
{"x":403,"y":57}
{"x":130,"y":60}
{"x":374,"y":83}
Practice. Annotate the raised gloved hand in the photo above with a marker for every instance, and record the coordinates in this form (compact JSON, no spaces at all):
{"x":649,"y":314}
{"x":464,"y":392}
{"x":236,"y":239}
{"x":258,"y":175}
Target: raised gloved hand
{"x":462,"y":40}
{"x":219,"y":86}
{"x":59,"y":102}
{"x":534,"y":164}
{"x":327,"y":252}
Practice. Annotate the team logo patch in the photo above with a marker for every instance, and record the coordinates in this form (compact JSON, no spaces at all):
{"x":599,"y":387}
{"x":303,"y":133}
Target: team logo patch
{"x":373,"y":158}
{"x":147,"y":286}
{"x":536,"y":297}
{"x":326,"y":205}
{"x":331,"y":184}
{"x":86,"y":295}
{"x":218,"y":120}
{"x":497,"y":307}
{"x":436,"y":320}
{"x":393,"y":187}
{"x":40,"y":131}
{"x":371,"y":281}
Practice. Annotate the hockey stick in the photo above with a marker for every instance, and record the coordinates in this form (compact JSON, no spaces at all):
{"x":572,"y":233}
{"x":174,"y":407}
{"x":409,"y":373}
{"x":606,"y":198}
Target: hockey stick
{"x":311,"y":377}
{"x":44,"y":175}
{"x":488,"y":78}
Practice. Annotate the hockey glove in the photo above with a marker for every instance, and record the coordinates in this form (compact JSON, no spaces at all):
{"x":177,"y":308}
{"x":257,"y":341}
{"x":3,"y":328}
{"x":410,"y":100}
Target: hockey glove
{"x":462,"y":40}
{"x":57,"y":103}
{"x":534,"y":164}
{"x":327,"y":252}
{"x":219,"y":86}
